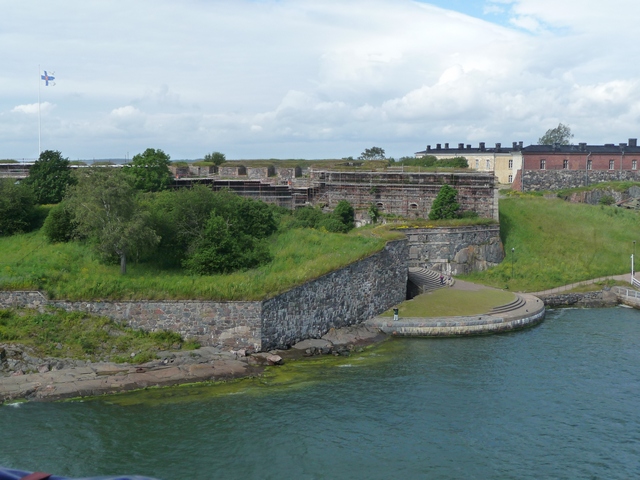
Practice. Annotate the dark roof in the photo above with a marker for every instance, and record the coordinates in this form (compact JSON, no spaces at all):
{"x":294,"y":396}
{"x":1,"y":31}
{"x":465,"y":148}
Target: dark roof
{"x":607,"y":148}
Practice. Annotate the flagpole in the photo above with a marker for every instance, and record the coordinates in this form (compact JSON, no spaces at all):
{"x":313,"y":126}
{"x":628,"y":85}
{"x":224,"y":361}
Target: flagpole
{"x":39,"y":145}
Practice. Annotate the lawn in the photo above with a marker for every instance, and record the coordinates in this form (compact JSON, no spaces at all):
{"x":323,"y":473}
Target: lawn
{"x":69,"y":271}
{"x":446,"y":302}
{"x":555,"y":243}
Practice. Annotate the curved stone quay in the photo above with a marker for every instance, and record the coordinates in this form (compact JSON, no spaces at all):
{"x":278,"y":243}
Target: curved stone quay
{"x":526,"y":311}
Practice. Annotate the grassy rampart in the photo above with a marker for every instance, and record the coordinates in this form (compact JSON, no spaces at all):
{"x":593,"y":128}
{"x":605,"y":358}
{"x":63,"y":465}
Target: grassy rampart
{"x":69,"y":270}
{"x":558,"y":243}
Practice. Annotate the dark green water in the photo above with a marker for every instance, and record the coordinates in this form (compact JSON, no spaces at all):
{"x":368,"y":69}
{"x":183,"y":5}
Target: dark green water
{"x":561,"y":400}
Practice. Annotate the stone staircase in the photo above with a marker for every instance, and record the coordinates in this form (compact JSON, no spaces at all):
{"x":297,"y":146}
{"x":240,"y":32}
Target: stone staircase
{"x":425,"y":279}
{"x":519,"y":302}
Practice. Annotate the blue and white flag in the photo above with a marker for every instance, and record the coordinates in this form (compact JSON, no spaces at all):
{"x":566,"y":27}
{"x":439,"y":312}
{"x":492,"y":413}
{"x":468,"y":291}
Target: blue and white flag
{"x":48,"y":78}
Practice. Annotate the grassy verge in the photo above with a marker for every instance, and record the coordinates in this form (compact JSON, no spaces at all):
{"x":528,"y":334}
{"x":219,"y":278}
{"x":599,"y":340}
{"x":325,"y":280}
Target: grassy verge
{"x":447,"y":302}
{"x":69,"y":271}
{"x":61,"y":334}
{"x":557,"y":243}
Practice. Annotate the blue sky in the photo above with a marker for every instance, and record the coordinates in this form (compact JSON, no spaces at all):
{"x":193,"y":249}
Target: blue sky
{"x":311,"y":78}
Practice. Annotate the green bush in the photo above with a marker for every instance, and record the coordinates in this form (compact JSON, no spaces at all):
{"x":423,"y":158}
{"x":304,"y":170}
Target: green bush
{"x":17,"y":207}
{"x":59,"y":225}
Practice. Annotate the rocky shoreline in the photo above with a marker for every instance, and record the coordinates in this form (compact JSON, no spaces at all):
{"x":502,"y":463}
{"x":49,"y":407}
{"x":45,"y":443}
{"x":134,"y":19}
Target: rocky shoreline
{"x":24,"y":376}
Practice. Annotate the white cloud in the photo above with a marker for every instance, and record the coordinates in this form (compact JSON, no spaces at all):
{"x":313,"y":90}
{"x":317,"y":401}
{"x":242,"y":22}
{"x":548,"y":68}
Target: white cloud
{"x":32,"y":108}
{"x":301,"y":78}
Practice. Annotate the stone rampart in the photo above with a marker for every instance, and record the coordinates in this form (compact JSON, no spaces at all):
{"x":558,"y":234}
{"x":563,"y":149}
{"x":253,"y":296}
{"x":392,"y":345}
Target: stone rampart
{"x":537,"y":180}
{"x":600,"y":298}
{"x":455,"y":250}
{"x":347,"y":296}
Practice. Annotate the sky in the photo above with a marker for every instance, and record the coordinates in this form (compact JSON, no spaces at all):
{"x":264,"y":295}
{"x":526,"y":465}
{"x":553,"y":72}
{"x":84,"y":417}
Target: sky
{"x":312,"y":78}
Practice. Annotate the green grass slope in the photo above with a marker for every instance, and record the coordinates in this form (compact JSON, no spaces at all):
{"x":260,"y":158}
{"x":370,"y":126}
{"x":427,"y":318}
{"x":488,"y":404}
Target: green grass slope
{"x":69,"y":271}
{"x":558,"y":243}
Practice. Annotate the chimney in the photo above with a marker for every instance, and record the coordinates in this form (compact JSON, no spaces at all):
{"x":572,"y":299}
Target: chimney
{"x":428,"y":148}
{"x":446,"y":146}
{"x":498,"y":145}
{"x":633,"y":142}
{"x":461,"y":146}
{"x":438,"y":146}
{"x":622,"y":145}
{"x":515,"y":145}
{"x":468,"y":146}
{"x":583,"y":146}
{"x":521,"y":144}
{"x":482,"y":146}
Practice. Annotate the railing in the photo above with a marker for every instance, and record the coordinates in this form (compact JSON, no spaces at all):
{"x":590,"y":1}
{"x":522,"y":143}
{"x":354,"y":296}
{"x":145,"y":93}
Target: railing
{"x":627,"y":292}
{"x":635,"y":283}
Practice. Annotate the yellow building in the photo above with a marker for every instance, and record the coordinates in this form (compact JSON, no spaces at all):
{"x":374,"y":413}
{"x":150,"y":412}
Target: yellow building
{"x":504,"y":162}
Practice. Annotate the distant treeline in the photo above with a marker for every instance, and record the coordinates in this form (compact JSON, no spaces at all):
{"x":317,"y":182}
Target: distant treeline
{"x":431,"y":161}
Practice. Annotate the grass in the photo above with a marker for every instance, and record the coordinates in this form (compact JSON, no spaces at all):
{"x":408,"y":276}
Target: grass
{"x":557,"y":243}
{"x":69,"y":270}
{"x":615,"y":186}
{"x":62,"y":334}
{"x":446,"y":302}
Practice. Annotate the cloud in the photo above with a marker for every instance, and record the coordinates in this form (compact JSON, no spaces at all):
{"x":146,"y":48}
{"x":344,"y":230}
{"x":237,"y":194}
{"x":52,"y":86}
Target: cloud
{"x":301,"y":78}
{"x":32,"y":108}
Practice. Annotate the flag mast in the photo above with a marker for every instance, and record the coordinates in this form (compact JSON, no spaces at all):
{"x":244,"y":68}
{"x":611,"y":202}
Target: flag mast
{"x":39,"y":145}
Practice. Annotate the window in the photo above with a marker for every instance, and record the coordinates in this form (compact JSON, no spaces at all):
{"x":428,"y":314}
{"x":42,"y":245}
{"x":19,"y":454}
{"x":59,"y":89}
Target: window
{"x":488,"y":164}
{"x":565,"y":164}
{"x":380,"y":206}
{"x":510,"y":163}
{"x":611,"y":164}
{"x":413,"y":206}
{"x":589,"y":164}
{"x":634,"y":164}
{"x":477,"y":164}
{"x":510,"y":178}
{"x":543,"y":164}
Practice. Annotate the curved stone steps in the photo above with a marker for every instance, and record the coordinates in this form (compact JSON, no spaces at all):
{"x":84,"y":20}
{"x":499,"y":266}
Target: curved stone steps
{"x":425,"y":278}
{"x":508,"y":307}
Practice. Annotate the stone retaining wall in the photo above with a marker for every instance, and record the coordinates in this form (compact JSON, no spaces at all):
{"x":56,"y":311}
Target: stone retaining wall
{"x":536,"y":180}
{"x":600,"y":298}
{"x":455,"y":250}
{"x":345,"y":297}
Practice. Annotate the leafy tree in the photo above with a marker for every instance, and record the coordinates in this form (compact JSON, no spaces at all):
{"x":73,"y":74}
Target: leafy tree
{"x":17,"y":207}
{"x":150,"y":170}
{"x":373,"y":153}
{"x":344,"y":212}
{"x":106,"y":211}
{"x":216,"y":158}
{"x":59,"y":226}
{"x":224,"y":248}
{"x":445,"y":205}
{"x":49,"y":177}
{"x":561,"y":135}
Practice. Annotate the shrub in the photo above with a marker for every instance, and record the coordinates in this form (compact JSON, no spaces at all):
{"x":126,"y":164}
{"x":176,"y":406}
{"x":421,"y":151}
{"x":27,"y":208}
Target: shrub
{"x":59,"y":225}
{"x":17,"y":207}
{"x":445,"y":206}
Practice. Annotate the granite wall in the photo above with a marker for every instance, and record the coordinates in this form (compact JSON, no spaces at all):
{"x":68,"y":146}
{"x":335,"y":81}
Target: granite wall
{"x":455,"y":250}
{"x":536,"y":180}
{"x":347,"y":296}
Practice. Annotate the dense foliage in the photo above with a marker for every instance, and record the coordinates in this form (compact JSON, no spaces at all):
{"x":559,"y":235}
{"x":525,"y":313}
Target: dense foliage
{"x":106,"y":211}
{"x":445,"y":206}
{"x":216,"y":158}
{"x":49,"y":177}
{"x":373,"y":153}
{"x":341,"y":220}
{"x":431,"y":161}
{"x":150,"y":170}
{"x":561,"y":135}
{"x":17,"y":208}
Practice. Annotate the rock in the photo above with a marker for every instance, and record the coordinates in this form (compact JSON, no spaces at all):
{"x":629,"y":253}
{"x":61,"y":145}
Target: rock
{"x":274,"y":359}
{"x":43,"y":368}
{"x":313,"y":344}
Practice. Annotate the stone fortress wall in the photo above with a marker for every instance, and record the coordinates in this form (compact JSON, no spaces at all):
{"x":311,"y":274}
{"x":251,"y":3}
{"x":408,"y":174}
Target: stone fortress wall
{"x":344,"y":297}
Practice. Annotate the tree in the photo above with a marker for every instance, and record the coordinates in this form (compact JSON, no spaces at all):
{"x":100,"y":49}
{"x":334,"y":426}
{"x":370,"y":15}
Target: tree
{"x":445,"y":206}
{"x":150,"y":170}
{"x":106,"y":211}
{"x":49,"y":177}
{"x":373,"y":153}
{"x":17,"y":207}
{"x":561,"y":135}
{"x":344,"y":212}
{"x":216,"y":158}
